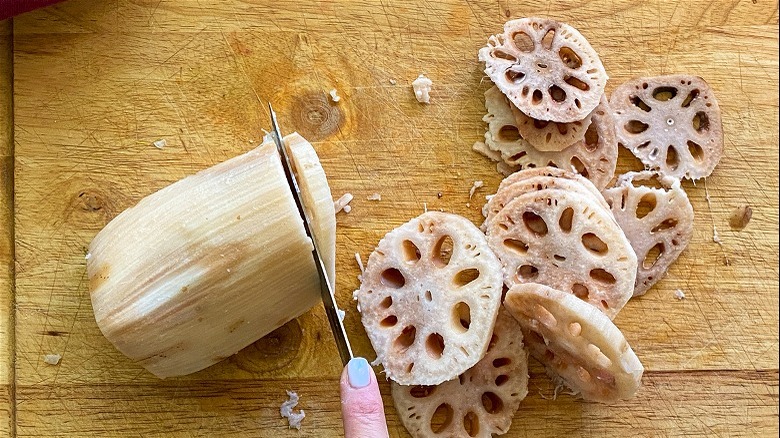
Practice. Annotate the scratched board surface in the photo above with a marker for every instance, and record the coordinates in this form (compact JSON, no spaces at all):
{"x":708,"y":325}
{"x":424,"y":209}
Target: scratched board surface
{"x":96,"y":83}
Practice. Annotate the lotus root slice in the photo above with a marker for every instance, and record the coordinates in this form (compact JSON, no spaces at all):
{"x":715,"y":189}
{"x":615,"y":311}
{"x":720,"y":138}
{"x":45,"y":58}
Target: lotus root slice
{"x":429,"y":298}
{"x":671,"y":123}
{"x":568,"y":242}
{"x":526,"y":181}
{"x":481,"y":401}
{"x":550,"y":136}
{"x":576,"y":342}
{"x":657,"y":221}
{"x":594,"y":157}
{"x":546,"y":68}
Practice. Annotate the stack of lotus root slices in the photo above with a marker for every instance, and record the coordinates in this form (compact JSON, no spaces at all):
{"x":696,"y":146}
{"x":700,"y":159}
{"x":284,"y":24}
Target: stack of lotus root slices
{"x":454,"y":311}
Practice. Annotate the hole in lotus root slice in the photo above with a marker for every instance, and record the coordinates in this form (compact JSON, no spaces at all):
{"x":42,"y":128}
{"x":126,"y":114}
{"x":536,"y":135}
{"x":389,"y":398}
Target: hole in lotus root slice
{"x":441,"y":418}
{"x":635,"y":127}
{"x":455,"y":266}
{"x":386,"y":303}
{"x":662,"y":94}
{"x":535,"y":223}
{"x":639,"y":103}
{"x":593,"y":260}
{"x":653,"y":255}
{"x":646,"y":205}
{"x":574,"y":82}
{"x":509,"y":133}
{"x":557,"y":93}
{"x":523,"y":42}
{"x":564,"y":222}
{"x":595,"y":245}
{"x":661,"y":234}
{"x":500,"y":54}
{"x":547,"y":52}
{"x":570,"y":58}
{"x":580,"y":291}
{"x":462,"y":317}
{"x":586,"y":351}
{"x":465,"y":277}
{"x":442,"y":251}
{"x":515,"y":245}
{"x":602,"y":276}
{"x":410,"y":251}
{"x":393,"y":278}
{"x":672,"y":160}
{"x":596,"y":158}
{"x":683,"y":124}
{"x":421,"y":391}
{"x":547,"y":40}
{"x":471,"y":424}
{"x":406,"y":338}
{"x":388,"y":322}
{"x":696,"y":151}
{"x":491,"y":401}
{"x":434,"y":345}
{"x":700,"y":121}
{"x":482,"y":395}
{"x":527,"y":272}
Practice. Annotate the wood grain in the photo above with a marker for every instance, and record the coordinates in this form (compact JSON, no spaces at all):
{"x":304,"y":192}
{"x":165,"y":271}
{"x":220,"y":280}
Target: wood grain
{"x":6,"y":229}
{"x":96,"y":83}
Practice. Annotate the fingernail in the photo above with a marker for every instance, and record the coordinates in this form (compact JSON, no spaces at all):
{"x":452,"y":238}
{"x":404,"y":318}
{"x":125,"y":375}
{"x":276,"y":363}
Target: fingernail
{"x":358,"y":372}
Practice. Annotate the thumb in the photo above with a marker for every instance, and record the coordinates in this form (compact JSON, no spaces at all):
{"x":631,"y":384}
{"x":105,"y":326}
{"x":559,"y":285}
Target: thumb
{"x":361,"y":404}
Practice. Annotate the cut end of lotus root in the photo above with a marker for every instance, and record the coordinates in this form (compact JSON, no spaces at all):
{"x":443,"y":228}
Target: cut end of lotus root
{"x":575,"y":341}
{"x":594,"y":157}
{"x":546,"y":68}
{"x":568,"y":241}
{"x":481,"y":401}
{"x":429,"y":298}
{"x":657,"y":221}
{"x":671,"y":123}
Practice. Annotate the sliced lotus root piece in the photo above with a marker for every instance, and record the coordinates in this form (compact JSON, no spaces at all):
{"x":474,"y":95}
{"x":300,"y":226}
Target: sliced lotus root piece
{"x":429,"y":297}
{"x":550,"y":136}
{"x":566,"y":241}
{"x":546,"y":68}
{"x":575,"y":342}
{"x":481,"y":401}
{"x":541,"y":178}
{"x":657,"y":221}
{"x":593,"y":157}
{"x":671,"y":123}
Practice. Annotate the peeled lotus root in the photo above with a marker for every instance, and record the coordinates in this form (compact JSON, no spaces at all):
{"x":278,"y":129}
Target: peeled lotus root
{"x":546,"y":68}
{"x":575,"y":342}
{"x":671,"y":123}
{"x":657,"y":221}
{"x":567,"y":241}
{"x":481,"y":401}
{"x":429,"y":298}
{"x":593,"y":157}
{"x":526,"y":181}
{"x":550,"y":136}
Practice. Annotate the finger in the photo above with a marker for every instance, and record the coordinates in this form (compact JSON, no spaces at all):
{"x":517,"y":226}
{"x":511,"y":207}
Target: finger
{"x":362,"y":409}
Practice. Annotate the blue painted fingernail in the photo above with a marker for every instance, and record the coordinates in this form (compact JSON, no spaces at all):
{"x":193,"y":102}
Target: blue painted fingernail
{"x":359,"y":373}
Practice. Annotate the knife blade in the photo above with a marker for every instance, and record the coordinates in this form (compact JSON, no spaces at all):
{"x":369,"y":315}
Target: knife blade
{"x":326,"y":291}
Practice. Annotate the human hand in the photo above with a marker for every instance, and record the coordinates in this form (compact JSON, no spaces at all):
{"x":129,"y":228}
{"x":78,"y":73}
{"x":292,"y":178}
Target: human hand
{"x":362,"y":409}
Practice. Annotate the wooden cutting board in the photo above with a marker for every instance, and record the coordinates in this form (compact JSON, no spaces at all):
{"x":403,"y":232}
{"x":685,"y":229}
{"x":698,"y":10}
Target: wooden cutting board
{"x":96,"y":83}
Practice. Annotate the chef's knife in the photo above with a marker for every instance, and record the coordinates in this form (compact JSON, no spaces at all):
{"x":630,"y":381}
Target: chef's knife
{"x":328,"y":299}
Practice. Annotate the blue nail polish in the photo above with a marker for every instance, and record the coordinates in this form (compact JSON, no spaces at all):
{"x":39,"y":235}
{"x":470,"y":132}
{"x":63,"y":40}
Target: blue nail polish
{"x":358,"y":372}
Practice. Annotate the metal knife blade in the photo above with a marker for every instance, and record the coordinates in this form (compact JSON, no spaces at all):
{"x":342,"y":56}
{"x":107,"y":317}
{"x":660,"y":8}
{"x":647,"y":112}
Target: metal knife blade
{"x":328,"y":298}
